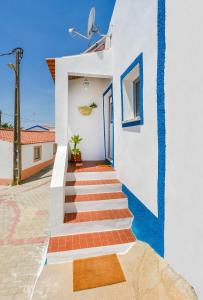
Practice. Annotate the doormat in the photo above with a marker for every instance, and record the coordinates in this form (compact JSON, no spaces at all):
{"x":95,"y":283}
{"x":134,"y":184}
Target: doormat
{"x":97,"y":271}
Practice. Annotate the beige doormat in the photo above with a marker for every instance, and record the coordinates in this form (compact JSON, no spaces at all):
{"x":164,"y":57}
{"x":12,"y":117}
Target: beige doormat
{"x":95,"y":272}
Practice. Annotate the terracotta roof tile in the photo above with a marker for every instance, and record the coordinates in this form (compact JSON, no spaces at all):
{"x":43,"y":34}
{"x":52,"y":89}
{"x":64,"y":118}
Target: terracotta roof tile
{"x":28,"y":137}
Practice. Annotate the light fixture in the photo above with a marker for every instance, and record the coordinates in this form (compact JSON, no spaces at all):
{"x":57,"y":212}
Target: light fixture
{"x":86,"y":83}
{"x":11,"y":66}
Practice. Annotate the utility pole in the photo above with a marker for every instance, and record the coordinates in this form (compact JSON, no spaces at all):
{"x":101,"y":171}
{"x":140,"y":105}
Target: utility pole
{"x":17,"y":129}
{"x":0,"y":118}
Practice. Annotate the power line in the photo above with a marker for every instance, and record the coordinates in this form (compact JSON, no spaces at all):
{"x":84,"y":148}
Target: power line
{"x":26,"y":120}
{"x":8,"y":53}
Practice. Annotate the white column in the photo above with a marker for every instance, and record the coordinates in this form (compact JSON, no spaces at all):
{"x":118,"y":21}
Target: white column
{"x":61,"y":103}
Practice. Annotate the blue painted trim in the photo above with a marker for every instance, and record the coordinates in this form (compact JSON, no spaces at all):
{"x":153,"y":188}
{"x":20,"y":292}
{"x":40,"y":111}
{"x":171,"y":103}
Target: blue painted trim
{"x":110,"y":87}
{"x":138,"y":60}
{"x":161,"y":116}
{"x":38,"y":126}
{"x":146,"y":226}
{"x":104,"y":129}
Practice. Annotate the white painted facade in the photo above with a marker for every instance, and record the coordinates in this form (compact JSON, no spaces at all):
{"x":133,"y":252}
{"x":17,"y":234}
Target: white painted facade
{"x":27,"y":157}
{"x":184,"y":123}
{"x":134,"y":31}
{"x":137,"y":145}
{"x":28,"y":154}
{"x":6,"y":160}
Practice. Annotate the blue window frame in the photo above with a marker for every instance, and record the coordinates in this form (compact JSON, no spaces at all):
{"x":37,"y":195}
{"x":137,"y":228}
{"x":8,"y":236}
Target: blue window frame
{"x":132,"y":94}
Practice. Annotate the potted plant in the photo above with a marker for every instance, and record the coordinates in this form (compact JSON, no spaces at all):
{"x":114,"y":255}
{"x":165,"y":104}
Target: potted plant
{"x":86,"y":110}
{"x":75,"y":152}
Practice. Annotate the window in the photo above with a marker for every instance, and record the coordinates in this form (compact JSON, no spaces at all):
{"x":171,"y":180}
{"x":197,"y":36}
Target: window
{"x":131,"y":94}
{"x":54,"y":148}
{"x":110,"y":109}
{"x":37,"y":153}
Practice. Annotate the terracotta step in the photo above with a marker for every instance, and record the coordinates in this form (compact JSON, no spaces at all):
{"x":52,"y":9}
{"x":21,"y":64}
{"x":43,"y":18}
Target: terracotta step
{"x":90,"y":166}
{"x":101,"y":215}
{"x":90,"y":240}
{"x":91,"y":182}
{"x":94,"y":197}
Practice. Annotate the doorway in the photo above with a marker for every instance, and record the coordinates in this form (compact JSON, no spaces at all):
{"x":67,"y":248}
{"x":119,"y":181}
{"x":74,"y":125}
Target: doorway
{"x":108,"y":116}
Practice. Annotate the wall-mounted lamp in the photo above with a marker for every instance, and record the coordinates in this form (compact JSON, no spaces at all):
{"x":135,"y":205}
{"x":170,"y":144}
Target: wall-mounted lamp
{"x":86,"y":83}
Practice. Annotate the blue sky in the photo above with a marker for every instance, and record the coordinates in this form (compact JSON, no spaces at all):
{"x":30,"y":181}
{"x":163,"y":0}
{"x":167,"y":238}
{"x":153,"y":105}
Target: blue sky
{"x":40,"y":28}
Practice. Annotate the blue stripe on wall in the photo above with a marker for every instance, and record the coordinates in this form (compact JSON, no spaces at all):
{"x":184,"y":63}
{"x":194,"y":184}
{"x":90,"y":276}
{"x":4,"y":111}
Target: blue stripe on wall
{"x":161,"y":118}
{"x":146,"y":226}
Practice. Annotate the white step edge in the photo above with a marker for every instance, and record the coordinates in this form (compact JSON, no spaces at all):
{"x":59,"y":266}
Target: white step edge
{"x":68,"y":256}
{"x":95,"y":226}
{"x":73,"y":207}
{"x":93,"y":189}
{"x":72,"y":176}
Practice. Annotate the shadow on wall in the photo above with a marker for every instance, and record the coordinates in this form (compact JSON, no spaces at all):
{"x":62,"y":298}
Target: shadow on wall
{"x":136,"y":129}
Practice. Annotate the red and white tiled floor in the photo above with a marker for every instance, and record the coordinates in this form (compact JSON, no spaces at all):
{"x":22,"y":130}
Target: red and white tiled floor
{"x":96,"y":219}
{"x":89,"y":166}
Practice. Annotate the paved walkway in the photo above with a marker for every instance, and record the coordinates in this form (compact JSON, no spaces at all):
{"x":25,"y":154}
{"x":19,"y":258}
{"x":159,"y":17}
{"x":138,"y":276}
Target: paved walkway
{"x":23,"y":235}
{"x":23,"y":243}
{"x":148,"y":277}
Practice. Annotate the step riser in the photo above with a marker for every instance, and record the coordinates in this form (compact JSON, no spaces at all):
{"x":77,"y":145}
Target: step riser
{"x":93,"y":189}
{"x":96,"y":205}
{"x":67,"y":256}
{"x":95,"y":226}
{"x":90,"y":176}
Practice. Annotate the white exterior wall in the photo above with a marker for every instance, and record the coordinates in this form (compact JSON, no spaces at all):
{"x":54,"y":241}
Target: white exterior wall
{"x":97,"y":64}
{"x":91,"y":127}
{"x":6,"y":160}
{"x":136,"y":147}
{"x":134,"y":29}
{"x":184,"y":140}
{"x":28,"y":154}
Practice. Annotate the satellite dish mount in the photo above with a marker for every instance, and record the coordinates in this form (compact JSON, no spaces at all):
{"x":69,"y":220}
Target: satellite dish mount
{"x":91,"y":27}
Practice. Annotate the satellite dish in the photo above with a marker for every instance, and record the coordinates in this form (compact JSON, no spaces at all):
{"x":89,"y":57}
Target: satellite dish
{"x":91,"y":27}
{"x":91,"y":23}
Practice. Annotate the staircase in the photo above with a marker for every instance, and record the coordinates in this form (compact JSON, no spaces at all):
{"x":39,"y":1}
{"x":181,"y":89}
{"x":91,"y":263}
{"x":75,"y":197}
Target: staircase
{"x":97,"y":220}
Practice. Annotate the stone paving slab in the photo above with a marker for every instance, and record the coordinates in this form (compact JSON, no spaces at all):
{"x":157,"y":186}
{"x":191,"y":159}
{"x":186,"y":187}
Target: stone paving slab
{"x":148,"y":277}
{"x":24,"y":235}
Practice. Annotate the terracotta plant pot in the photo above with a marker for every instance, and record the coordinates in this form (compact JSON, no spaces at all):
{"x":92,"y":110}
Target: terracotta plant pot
{"x":75,"y":157}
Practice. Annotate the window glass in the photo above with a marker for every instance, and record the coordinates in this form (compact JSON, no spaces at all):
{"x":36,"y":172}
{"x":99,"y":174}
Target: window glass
{"x":37,"y":152}
{"x":136,"y":97}
{"x":131,"y":95}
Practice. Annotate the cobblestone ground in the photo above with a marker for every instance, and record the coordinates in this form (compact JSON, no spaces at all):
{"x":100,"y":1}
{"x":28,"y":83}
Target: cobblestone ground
{"x":23,"y":235}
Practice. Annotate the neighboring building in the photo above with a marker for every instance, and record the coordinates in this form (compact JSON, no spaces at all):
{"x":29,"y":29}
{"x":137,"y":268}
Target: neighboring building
{"x":49,"y":128}
{"x":38,"y":151}
{"x":144,"y":83}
